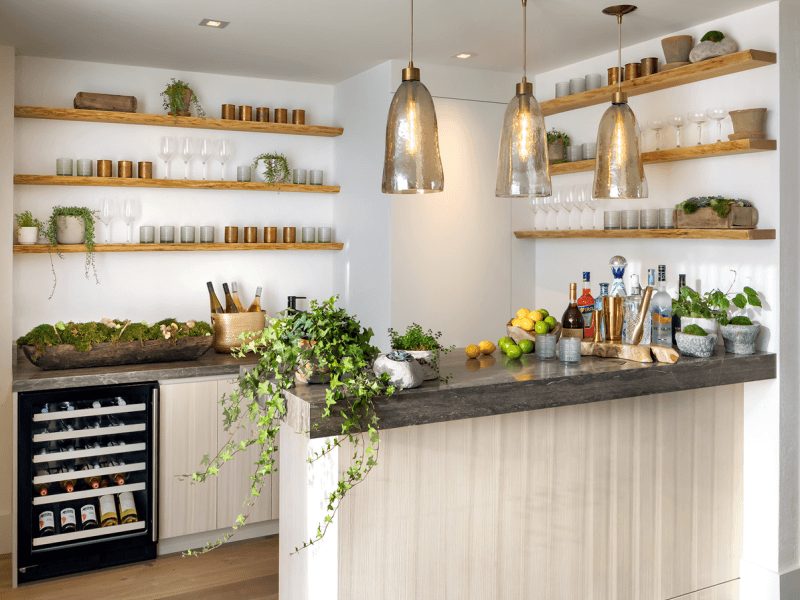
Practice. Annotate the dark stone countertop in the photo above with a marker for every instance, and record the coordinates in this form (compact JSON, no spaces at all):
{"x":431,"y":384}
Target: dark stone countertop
{"x":494,"y":385}
{"x":27,"y":378}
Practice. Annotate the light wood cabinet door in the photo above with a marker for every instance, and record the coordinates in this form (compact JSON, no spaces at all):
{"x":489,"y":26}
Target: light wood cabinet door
{"x":188,"y":430}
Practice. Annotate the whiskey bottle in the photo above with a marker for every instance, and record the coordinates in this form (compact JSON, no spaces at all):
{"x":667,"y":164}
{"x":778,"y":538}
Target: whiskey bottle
{"x":586,"y":306}
{"x":572,"y":324}
{"x":598,"y":303}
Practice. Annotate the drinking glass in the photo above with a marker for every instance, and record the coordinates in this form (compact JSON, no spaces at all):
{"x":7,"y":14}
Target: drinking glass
{"x":106,"y":214}
{"x":186,"y":152}
{"x":677,"y":121}
{"x":718,"y":115}
{"x":556,"y":203}
{"x":543,"y":204}
{"x":657,"y":125}
{"x":224,"y":152}
{"x":592,"y":203}
{"x":699,"y":118}
{"x":130,"y":211}
{"x":580,"y":202}
{"x":166,"y":151}
{"x":534,"y":206}
{"x":204,"y":150}
{"x":568,"y":201}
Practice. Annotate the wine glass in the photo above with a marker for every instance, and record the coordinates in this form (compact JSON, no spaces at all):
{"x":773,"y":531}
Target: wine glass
{"x":677,"y":121}
{"x":568,"y":201}
{"x":186,"y":152}
{"x":204,"y":150}
{"x":224,"y":152}
{"x":130,"y":211}
{"x":699,"y":118}
{"x":106,"y":214}
{"x":718,"y":115}
{"x":166,"y":151}
{"x":534,"y":208}
{"x":556,"y":203}
{"x":543,"y":203}
{"x":657,"y":125}
{"x":592,"y":203}
{"x":579,"y":201}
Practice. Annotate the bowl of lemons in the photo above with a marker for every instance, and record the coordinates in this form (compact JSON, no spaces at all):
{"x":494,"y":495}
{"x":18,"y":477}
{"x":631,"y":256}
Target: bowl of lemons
{"x":528,"y":323}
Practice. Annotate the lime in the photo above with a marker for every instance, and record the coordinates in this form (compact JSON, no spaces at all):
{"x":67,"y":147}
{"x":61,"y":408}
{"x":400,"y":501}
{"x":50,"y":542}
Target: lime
{"x":542,"y":326}
{"x":551,"y":323}
{"x":526,"y":346}
{"x":513,"y":351}
{"x":503,"y":340}
{"x":545,"y":314}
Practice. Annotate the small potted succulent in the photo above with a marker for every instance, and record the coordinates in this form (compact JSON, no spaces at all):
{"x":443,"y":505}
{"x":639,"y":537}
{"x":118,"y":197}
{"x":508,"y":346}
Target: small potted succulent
{"x":557,"y":143}
{"x":28,"y":228}
{"x":693,"y":340}
{"x":421,"y":345}
{"x":178,"y":97}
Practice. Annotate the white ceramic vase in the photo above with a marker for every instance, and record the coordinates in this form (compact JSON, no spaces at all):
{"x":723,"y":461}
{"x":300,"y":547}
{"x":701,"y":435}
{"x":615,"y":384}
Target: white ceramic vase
{"x":70,"y":230}
{"x":28,"y":235}
{"x":425,"y":358}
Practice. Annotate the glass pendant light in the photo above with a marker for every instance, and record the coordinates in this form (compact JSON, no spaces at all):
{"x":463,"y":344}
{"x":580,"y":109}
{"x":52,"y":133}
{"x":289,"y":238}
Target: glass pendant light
{"x":619,"y":172}
{"x":412,"y":164}
{"x":523,"y":169}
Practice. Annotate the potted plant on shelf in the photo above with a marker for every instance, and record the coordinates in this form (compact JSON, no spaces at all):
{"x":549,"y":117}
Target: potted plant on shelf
{"x":693,"y":340}
{"x":557,"y":143}
{"x":342,"y":347}
{"x":424,"y":346}
{"x":27,"y":228}
{"x":71,"y":225}
{"x":715,"y":212}
{"x":178,"y":96}
{"x":276,"y":169}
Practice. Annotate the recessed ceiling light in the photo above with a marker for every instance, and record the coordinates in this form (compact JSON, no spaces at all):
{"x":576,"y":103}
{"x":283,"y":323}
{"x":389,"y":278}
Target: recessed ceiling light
{"x":464,"y":55}
{"x":214,"y":23}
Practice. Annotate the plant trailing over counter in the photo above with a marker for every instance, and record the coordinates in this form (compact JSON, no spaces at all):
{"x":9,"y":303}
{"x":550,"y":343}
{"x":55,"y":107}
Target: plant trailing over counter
{"x":178,"y":96}
{"x":325,"y":340}
{"x":26,"y":220}
{"x":415,"y":339}
{"x":276,"y":169}
{"x":51,"y":233}
{"x":721,"y":206}
{"x":716,"y":304}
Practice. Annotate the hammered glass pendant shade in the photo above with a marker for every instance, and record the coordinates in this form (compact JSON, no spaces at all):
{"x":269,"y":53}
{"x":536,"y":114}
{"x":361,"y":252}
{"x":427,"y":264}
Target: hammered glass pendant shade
{"x":619,"y":172}
{"x":412,"y":164}
{"x":522,"y":166}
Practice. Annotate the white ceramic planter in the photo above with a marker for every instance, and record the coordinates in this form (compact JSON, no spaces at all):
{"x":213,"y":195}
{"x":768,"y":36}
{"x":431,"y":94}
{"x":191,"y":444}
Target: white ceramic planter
{"x":70,"y":230}
{"x":28,"y":235}
{"x":741,"y":339}
{"x":708,"y":325}
{"x":424,"y":358}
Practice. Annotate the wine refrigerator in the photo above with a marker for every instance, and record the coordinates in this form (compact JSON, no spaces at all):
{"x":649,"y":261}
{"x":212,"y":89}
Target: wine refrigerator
{"x":87,"y":461}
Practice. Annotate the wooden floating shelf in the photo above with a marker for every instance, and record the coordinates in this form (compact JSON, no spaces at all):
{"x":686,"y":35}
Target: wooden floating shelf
{"x":106,"y":116}
{"x":746,"y":146}
{"x":81,"y":248}
{"x":707,"y":69}
{"x":673,"y":234}
{"x":190,"y":184}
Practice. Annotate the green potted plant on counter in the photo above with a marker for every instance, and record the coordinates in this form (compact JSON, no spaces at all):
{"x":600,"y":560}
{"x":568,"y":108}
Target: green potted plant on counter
{"x":424,"y":346}
{"x":693,"y":340}
{"x":27,"y":228}
{"x":178,"y":97}
{"x":739,"y":333}
{"x":71,"y":225}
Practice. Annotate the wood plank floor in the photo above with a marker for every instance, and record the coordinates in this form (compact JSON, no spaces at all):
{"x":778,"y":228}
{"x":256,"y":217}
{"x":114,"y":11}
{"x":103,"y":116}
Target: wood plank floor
{"x":245,"y":570}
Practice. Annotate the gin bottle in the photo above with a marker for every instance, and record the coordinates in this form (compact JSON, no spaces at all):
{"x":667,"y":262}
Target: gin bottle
{"x":598,"y":304}
{"x":661,"y":311}
{"x":618,"y":264}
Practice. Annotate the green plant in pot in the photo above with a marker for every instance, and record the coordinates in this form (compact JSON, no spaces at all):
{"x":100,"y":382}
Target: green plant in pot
{"x":424,"y":346}
{"x":178,"y":97}
{"x":71,"y":225}
{"x":276,"y":168}
{"x":27,"y":228}
{"x":557,"y":143}
{"x":333,"y":342}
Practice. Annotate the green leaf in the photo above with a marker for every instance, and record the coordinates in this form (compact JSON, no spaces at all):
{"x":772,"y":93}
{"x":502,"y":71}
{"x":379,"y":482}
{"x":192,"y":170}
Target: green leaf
{"x":739,"y":301}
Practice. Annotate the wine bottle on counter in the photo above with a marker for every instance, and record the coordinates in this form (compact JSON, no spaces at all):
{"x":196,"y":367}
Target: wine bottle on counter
{"x":256,"y":305}
{"x":235,"y":297}
{"x":216,"y":307}
{"x":572,"y":322}
{"x":230,"y":305}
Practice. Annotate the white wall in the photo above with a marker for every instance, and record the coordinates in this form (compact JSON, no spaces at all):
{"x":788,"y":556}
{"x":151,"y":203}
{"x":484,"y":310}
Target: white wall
{"x":155,"y":286}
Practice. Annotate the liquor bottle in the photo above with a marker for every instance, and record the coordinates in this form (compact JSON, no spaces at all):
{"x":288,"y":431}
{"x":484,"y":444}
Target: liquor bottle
{"x":235,"y":296}
{"x":42,"y":488}
{"x":676,"y":319}
{"x":119,"y":475}
{"x":68,"y":484}
{"x":108,"y":511}
{"x":661,"y":309}
{"x":68,"y":522}
{"x":88,"y":516}
{"x":572,"y":324}
{"x":651,"y":278}
{"x":127,"y":508}
{"x":598,"y":303}
{"x":631,"y":303}
{"x":586,"y":306}
{"x":92,"y":480}
{"x":216,"y":307}
{"x":230,"y":305}
{"x":47,"y":523}
{"x":256,"y":305}
{"x":618,"y":264}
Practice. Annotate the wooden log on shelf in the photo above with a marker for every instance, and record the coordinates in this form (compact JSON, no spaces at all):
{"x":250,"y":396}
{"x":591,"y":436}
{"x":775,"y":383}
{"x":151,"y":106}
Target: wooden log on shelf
{"x":616,"y":350}
{"x":665,"y":355}
{"x":92,"y":101}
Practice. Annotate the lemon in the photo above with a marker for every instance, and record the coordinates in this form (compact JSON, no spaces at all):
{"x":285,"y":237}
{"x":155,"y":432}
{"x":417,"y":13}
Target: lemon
{"x":536,"y":316}
{"x":526,"y":324}
{"x":515,"y":322}
{"x":542,"y":327}
{"x":522,"y":313}
{"x":486,"y":347}
{"x":473,"y":351}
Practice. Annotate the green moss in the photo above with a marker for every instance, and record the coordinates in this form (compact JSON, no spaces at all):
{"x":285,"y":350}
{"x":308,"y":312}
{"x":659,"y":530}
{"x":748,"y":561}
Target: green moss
{"x":741,"y":320}
{"x":713,"y":36}
{"x":83,"y":335}
{"x":694,"y":330}
{"x":41,"y":335}
{"x":135,"y":331}
{"x":200,"y":329}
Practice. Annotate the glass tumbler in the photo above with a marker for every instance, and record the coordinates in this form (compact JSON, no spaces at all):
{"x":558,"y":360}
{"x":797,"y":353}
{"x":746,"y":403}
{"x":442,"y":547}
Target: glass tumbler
{"x":299,"y":176}
{"x":611,"y":219}
{"x":243,"y":173}
{"x":147,"y":234}
{"x":649,"y":218}
{"x":569,"y":350}
{"x":324,"y":235}
{"x":666,"y":218}
{"x":63,"y":166}
{"x":309,"y":235}
{"x":545,"y":346}
{"x":187,"y":234}
{"x":316,"y":177}
{"x":85,"y":167}
{"x":630,"y":219}
{"x":207,"y":234}
{"x":166,"y":234}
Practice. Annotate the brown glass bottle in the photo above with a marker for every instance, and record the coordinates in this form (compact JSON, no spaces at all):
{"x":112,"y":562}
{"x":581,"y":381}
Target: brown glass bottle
{"x":230,"y":305}
{"x":572,"y":322}
{"x":216,"y":307}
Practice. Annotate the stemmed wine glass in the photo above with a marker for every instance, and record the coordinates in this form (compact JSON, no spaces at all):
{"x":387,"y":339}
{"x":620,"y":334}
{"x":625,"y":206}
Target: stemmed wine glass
{"x":699,"y":118}
{"x":106,"y":214}
{"x":224,"y":152}
{"x":579,"y":200}
{"x":657,"y":125}
{"x":718,"y":115}
{"x":204,"y":151}
{"x":556,"y":203}
{"x":166,"y":151}
{"x":130,"y":211}
{"x":592,"y":203}
{"x":677,"y":121}
{"x":534,"y":208}
{"x":544,"y":205}
{"x":568,"y":200}
{"x":186,"y":152}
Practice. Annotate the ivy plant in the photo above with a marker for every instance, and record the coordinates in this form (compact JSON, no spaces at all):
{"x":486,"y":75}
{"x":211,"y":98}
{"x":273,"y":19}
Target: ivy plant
{"x":323,"y":340}
{"x":276,"y":169}
{"x":416,"y":339}
{"x":174,"y":95}
{"x":716,"y":304}
{"x":51,"y":230}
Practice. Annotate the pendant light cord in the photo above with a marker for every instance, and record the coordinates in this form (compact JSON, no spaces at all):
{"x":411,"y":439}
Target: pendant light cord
{"x":411,"y":55}
{"x":524,"y":40}
{"x":619,"y":54}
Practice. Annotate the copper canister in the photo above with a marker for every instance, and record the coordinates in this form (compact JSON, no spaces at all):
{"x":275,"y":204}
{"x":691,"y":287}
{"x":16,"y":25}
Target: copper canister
{"x":104,"y":168}
{"x":124,"y":168}
{"x":280,"y":115}
{"x":299,"y":117}
{"x":614,"y":317}
{"x":633,"y":71}
{"x":145,"y":170}
{"x":262,"y":114}
{"x":613,"y":76}
{"x":289,"y":235}
{"x":649,"y":66}
{"x":270,"y":235}
{"x":229,"y":112}
{"x":231,"y":235}
{"x":245,"y":113}
{"x":250,"y":235}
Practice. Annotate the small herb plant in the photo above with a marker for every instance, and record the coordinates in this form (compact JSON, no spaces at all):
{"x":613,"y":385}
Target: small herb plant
{"x":715,"y":304}
{"x":276,"y":169}
{"x":721,"y":206}
{"x":51,"y":230}
{"x":26,"y":220}
{"x":174,"y":95}
{"x":416,"y":339}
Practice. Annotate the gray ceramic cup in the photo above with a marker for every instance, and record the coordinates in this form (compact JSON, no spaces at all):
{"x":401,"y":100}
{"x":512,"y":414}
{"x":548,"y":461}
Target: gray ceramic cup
{"x":187,"y":234}
{"x":207,"y":234}
{"x":577,"y":85}
{"x":147,"y":234}
{"x":166,"y":234}
{"x":593,"y":81}
{"x":562,"y":89}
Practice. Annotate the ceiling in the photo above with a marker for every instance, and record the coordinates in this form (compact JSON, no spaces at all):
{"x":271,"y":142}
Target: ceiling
{"x":327,"y":41}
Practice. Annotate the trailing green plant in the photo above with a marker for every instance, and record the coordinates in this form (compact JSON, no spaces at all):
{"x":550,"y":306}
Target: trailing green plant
{"x":554,"y":135}
{"x":26,"y":220}
{"x":173,"y":97}
{"x":416,"y":339}
{"x":326,"y":340}
{"x":721,"y":206}
{"x":51,"y":229}
{"x":276,"y":169}
{"x":715,"y":304}
{"x":694,"y":330}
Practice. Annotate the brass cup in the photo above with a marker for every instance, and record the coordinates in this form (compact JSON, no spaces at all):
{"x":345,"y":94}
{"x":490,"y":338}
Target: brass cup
{"x":633,"y":71}
{"x":649,"y":66}
{"x":245,"y":113}
{"x":262,"y":115}
{"x":597,"y":323}
{"x":124,"y":169}
{"x":229,"y":112}
{"x":270,"y":235}
{"x":289,"y":235}
{"x":614,"y":316}
{"x":104,"y":168}
{"x":250,"y":235}
{"x":280,"y":115}
{"x":145,"y":170}
{"x":231,"y":235}
{"x":299,"y":117}
{"x":613,"y":76}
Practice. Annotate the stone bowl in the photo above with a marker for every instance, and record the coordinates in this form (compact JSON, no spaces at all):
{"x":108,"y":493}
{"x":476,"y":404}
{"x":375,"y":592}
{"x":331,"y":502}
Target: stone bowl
{"x":696,"y":345}
{"x":740,"y":339}
{"x":677,"y":48}
{"x":425,"y":359}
